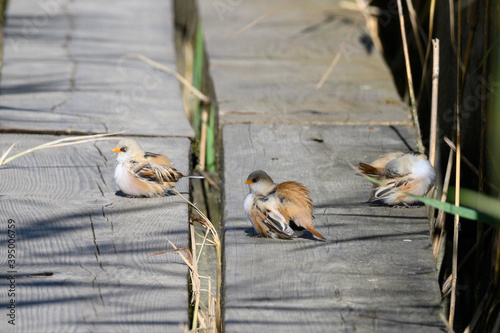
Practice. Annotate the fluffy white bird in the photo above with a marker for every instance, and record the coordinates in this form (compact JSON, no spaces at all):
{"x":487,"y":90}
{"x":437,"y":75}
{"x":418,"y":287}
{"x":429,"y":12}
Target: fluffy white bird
{"x":143,"y":174}
{"x":409,"y":173}
{"x":279,"y":210}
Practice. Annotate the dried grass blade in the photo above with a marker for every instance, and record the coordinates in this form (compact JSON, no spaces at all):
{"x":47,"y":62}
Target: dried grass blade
{"x":428,"y":49}
{"x":57,"y":143}
{"x":337,"y":56}
{"x":161,"y":252}
{"x":166,"y":69}
{"x":203,"y":245}
{"x":458,"y":155}
{"x":260,"y":18}
{"x":452,"y":24}
{"x":416,"y":122}
{"x":4,"y":155}
{"x":414,"y":25}
{"x":434,"y":101}
{"x":77,"y":138}
{"x":454,"y":148}
{"x":186,"y":260}
{"x":216,"y":239}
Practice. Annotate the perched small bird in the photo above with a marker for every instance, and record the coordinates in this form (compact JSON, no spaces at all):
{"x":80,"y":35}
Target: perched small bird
{"x":279,"y":210}
{"x":140,"y":174}
{"x":411,"y":173}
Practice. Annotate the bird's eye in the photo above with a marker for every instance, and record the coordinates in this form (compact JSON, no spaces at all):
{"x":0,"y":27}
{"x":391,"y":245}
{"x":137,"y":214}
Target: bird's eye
{"x":255,"y":180}
{"x":123,"y":149}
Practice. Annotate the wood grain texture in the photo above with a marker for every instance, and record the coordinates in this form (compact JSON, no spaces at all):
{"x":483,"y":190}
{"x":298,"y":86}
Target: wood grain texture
{"x":64,"y":68}
{"x":375,"y":273}
{"x":93,"y":243}
{"x":268,"y":73}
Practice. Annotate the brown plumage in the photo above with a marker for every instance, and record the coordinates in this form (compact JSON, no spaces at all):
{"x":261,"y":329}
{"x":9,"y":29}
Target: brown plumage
{"x":279,"y":210}
{"x":140,"y":174}
{"x":377,"y":168}
{"x":400,"y":174}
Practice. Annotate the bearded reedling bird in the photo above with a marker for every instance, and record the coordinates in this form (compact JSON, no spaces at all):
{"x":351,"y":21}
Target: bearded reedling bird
{"x":279,"y":210}
{"x":411,"y":173}
{"x":140,"y":174}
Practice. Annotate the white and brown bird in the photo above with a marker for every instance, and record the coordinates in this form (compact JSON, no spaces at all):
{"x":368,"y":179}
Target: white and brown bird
{"x":140,"y":174}
{"x":279,"y":210}
{"x":409,"y":173}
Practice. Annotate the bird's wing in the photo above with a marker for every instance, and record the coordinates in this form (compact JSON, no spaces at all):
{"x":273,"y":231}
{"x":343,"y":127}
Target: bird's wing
{"x":268,"y":212}
{"x":158,"y":159}
{"x":156,"y":168}
{"x":377,"y":169}
{"x":253,"y":213}
{"x":382,"y":161}
{"x":296,"y":205}
{"x":388,"y":192}
{"x":370,"y":170}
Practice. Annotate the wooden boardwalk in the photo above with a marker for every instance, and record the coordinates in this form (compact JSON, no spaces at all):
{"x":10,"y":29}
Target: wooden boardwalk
{"x":376,"y":271}
{"x":82,"y":261}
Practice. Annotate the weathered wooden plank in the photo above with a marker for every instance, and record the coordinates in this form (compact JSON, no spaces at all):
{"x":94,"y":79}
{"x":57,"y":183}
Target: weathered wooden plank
{"x":82,"y":251}
{"x":375,"y":272}
{"x":64,"y":68}
{"x":268,"y":73}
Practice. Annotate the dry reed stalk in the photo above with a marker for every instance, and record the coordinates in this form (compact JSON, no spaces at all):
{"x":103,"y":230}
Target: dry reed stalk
{"x":434,"y":101}
{"x":441,"y":214}
{"x":416,"y":122}
{"x":464,"y":159}
{"x":210,"y":304}
{"x":201,"y":321}
{"x":454,"y":270}
{"x":188,"y":74}
{"x":414,"y":25}
{"x":5,"y":154}
{"x":205,"y":238}
{"x":439,"y":242}
{"x":496,"y":273}
{"x":472,"y":18}
{"x":456,"y":224}
{"x":431,"y":211}
{"x":66,"y":141}
{"x":189,"y":261}
{"x":203,"y":138}
{"x":258,"y":19}
{"x":433,"y":129}
{"x":447,"y":284}
{"x":193,"y":241}
{"x":483,"y":305}
{"x":452,"y":24}
{"x":210,"y":180}
{"x":482,"y":142}
{"x":449,"y":329}
{"x":482,"y":158}
{"x":166,"y":69}
{"x":428,"y":49}
{"x":469,"y":164}
{"x":216,"y":240}
{"x":337,"y":56}
{"x":446,"y":185}
{"x":195,"y":279}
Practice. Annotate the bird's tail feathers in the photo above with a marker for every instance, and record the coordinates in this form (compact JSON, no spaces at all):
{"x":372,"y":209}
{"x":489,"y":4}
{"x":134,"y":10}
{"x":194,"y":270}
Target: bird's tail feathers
{"x":317,"y":234}
{"x":194,"y":177}
{"x":367,"y":169}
